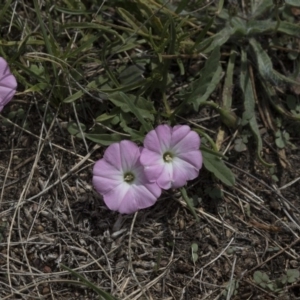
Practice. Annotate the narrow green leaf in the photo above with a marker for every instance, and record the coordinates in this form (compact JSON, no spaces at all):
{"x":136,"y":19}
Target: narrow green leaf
{"x":216,"y":166}
{"x":217,"y":40}
{"x":264,"y":62}
{"x":249,"y":105}
{"x":37,"y":87}
{"x":289,"y":28}
{"x":73,"y":97}
{"x":105,"y":117}
{"x":181,"y":5}
{"x":132,"y":21}
{"x":48,"y":44}
{"x":103,"y":139}
{"x":255,"y":27}
{"x":146,"y":8}
{"x":86,"y":45}
{"x":204,"y":31}
{"x":4,"y":9}
{"x":265,"y":65}
{"x":295,"y":3}
{"x":75,"y":12}
{"x":99,"y":27}
{"x":228,"y":83}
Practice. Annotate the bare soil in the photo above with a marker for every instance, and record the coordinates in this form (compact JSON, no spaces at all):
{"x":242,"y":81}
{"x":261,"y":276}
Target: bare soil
{"x":50,"y":215}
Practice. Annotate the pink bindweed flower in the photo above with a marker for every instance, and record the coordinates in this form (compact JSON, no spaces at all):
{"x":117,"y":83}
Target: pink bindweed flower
{"x":120,"y":178}
{"x":8,"y":83}
{"x":171,"y":156}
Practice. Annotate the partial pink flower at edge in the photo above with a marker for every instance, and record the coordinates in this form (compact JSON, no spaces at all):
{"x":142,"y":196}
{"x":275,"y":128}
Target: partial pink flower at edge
{"x":8,"y":84}
{"x":119,"y":177}
{"x":171,"y":156}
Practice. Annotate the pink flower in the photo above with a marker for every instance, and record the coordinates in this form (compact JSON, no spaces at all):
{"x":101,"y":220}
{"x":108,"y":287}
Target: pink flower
{"x":120,"y":178}
{"x":8,"y":83}
{"x":171,"y":156}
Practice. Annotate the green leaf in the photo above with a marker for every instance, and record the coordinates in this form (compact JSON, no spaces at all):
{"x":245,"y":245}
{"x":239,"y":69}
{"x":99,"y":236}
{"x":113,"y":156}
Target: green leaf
{"x":194,"y":248}
{"x":140,"y":107}
{"x":135,"y":135}
{"x":228,"y":82}
{"x":255,"y":27}
{"x":216,"y":166}
{"x":105,"y":117}
{"x":295,"y":3}
{"x":293,"y":275}
{"x":37,"y":87}
{"x":74,"y":129}
{"x":215,"y":41}
{"x":72,"y":11}
{"x":49,"y":42}
{"x":99,"y":27}
{"x":239,"y":145}
{"x":73,"y":97}
{"x":214,"y":193}
{"x":203,"y":87}
{"x":4,"y":9}
{"x":131,"y":74}
{"x":260,"y":7}
{"x":132,"y":21}
{"x":282,"y":138}
{"x":289,"y":28}
{"x":203,"y":33}
{"x":265,"y":65}
{"x":249,"y":104}
{"x":181,"y":5}
{"x":103,"y":139}
{"x":261,"y":278}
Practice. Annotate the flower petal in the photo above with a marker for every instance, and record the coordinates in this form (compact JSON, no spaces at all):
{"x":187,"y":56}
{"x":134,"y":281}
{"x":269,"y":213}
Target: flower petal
{"x":184,"y":140}
{"x":123,"y":155}
{"x":159,"y":139}
{"x":182,"y":172}
{"x":106,"y":177}
{"x":165,"y":179}
{"x":193,"y":158}
{"x":8,"y":84}
{"x":129,"y":199}
{"x":115,"y":197}
{"x":153,"y":164}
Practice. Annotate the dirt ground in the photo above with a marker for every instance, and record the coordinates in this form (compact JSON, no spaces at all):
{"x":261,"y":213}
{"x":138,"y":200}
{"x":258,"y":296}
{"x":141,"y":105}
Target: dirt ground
{"x":50,"y":215}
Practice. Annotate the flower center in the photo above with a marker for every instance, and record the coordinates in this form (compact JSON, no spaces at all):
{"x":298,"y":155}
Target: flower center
{"x":129,"y":177}
{"x":168,"y":157}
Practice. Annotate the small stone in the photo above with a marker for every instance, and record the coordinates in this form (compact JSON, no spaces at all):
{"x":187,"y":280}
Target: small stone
{"x":47,"y":269}
{"x":45,"y":291}
{"x":40,"y":228}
